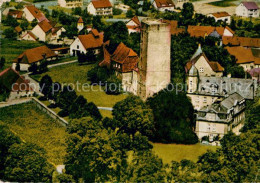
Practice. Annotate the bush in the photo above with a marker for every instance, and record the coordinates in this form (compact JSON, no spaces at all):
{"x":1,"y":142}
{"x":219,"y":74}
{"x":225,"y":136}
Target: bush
{"x":52,"y":106}
{"x":42,"y":98}
{"x":117,"y":11}
{"x":113,"y":86}
{"x":63,"y":113}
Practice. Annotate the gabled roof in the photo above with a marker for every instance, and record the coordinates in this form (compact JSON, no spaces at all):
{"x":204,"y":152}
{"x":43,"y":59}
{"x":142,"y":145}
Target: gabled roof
{"x":101,"y":3}
{"x":201,"y":31}
{"x":36,"y":13}
{"x":45,"y":25}
{"x":250,"y":5}
{"x":12,"y":80}
{"x":136,"y":20}
{"x":125,"y":56}
{"x":174,"y":27}
{"x":241,"y":41}
{"x":220,"y":14}
{"x":90,"y":41}
{"x":164,"y":3}
{"x":16,"y":13}
{"x":18,"y":29}
{"x":243,"y":55}
{"x":35,"y":55}
{"x":31,"y":34}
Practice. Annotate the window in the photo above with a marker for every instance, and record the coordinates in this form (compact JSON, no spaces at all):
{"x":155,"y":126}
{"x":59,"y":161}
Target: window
{"x":201,"y":69}
{"x":197,"y":99}
{"x":204,"y":99}
{"x":77,"y":46}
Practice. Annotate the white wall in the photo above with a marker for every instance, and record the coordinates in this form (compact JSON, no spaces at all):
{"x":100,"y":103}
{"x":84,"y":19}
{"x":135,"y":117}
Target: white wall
{"x":77,"y":45}
{"x":27,"y":14}
{"x":37,"y":31}
{"x":241,"y":10}
{"x":91,"y":9}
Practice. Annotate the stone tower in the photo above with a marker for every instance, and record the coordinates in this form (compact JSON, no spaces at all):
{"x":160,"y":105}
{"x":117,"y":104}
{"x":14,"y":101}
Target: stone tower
{"x":154,"y":66}
{"x":80,"y":24}
{"x":192,"y":79}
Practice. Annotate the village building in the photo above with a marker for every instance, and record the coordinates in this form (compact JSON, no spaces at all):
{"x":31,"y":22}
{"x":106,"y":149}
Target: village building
{"x":154,"y":66}
{"x":221,"y":16}
{"x":123,"y":7}
{"x":70,"y":3}
{"x":244,"y":57}
{"x":15,"y":14}
{"x":247,"y":9}
{"x":203,"y":31}
{"x":29,"y":36}
{"x":46,"y":31}
{"x":203,"y":65}
{"x":12,"y":82}
{"x":31,"y":13}
{"x":80,"y":24}
{"x":34,"y":55}
{"x":164,"y":5}
{"x":100,"y":7}
{"x":62,"y":51}
{"x":219,"y":118}
{"x":134,"y":25}
{"x":124,"y":62}
{"x":175,"y":30}
{"x":241,"y":41}
{"x":83,"y":43}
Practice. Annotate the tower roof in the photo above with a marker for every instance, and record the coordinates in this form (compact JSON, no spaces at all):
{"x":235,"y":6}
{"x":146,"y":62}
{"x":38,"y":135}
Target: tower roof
{"x":193,"y":71}
{"x":80,"y":20}
{"x":197,"y":53}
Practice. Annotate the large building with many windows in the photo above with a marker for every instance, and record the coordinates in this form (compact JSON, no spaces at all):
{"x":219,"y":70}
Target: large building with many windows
{"x":100,"y":7}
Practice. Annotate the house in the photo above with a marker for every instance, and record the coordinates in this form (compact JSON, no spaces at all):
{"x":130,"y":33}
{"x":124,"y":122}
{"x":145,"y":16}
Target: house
{"x":122,"y":7}
{"x":164,"y":5}
{"x":80,"y":24}
{"x":34,"y":55}
{"x":133,"y":25}
{"x":29,"y":36}
{"x":244,"y":57}
{"x":31,"y":13}
{"x":124,"y":61}
{"x":241,"y":41}
{"x":203,"y":31}
{"x":247,"y":9}
{"x":62,"y":51}
{"x":174,"y":27}
{"x":83,"y":43}
{"x":12,"y":82}
{"x":15,"y":13}
{"x":100,"y":7}
{"x":46,"y":31}
{"x":219,"y":118}
{"x":221,"y":16}
{"x":203,"y":65}
{"x":255,"y":74}
{"x":70,"y":3}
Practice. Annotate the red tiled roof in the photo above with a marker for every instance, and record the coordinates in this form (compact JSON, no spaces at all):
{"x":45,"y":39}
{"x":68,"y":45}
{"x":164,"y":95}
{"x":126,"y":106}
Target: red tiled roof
{"x":241,"y":41}
{"x":15,"y":13}
{"x":18,"y":29}
{"x":201,"y":31}
{"x":107,"y":61}
{"x":45,"y":25}
{"x":91,"y":41}
{"x":125,"y":56}
{"x":250,"y":5}
{"x":95,"y":32}
{"x":31,"y":34}
{"x":164,"y":3}
{"x":215,"y":66}
{"x":36,"y":13}
{"x":80,"y":20}
{"x":174,"y":27}
{"x":35,"y":55}
{"x":101,"y":3}
{"x":12,"y":80}
{"x":243,"y":55}
{"x":221,"y":14}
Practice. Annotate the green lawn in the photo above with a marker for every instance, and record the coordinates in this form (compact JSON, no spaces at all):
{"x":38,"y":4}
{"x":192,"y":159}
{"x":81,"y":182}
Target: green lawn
{"x":178,"y":152}
{"x":73,"y":73}
{"x":33,"y":125}
{"x":223,"y":3}
{"x":10,"y":49}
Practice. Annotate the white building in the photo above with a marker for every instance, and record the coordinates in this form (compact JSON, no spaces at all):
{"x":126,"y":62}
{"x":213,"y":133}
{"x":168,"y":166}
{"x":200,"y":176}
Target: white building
{"x":31,"y":13}
{"x":163,"y":5}
{"x":247,"y":9}
{"x":221,"y":16}
{"x":70,"y":3}
{"x":100,"y":7}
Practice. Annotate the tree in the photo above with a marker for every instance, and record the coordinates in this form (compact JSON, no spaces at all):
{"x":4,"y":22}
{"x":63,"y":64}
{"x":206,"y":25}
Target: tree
{"x":237,"y":71}
{"x":27,"y":162}
{"x":11,"y":21}
{"x":10,"y":33}
{"x":90,"y":56}
{"x":43,"y":67}
{"x":46,"y":86}
{"x":97,"y":23}
{"x":77,"y":11}
{"x":66,"y":98}
{"x":17,"y":67}
{"x":65,"y":178}
{"x":252,"y":119}
{"x":33,"y":68}
{"x":2,"y":62}
{"x":133,"y":115}
{"x":98,"y":75}
{"x":178,"y":119}
{"x":113,"y":86}
{"x":34,"y":23}
{"x":117,"y":11}
{"x":130,"y":13}
{"x":24,"y":24}
{"x":187,"y":12}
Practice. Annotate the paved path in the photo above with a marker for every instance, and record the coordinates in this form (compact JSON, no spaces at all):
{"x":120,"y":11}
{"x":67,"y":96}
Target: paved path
{"x":14,"y":102}
{"x":63,"y":63}
{"x":106,"y":108}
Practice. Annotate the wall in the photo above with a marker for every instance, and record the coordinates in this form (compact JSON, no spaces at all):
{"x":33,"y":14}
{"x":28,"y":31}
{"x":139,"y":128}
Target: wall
{"x":202,"y":63}
{"x":37,"y":31}
{"x":74,"y":45}
{"x":91,"y":9}
{"x":204,"y":128}
{"x":28,"y":15}
{"x":199,"y":101}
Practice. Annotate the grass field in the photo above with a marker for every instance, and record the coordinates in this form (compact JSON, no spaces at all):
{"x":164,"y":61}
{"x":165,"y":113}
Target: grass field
{"x":178,"y":152}
{"x":223,"y":3}
{"x":10,"y":49}
{"x":73,"y":73}
{"x":33,"y":125}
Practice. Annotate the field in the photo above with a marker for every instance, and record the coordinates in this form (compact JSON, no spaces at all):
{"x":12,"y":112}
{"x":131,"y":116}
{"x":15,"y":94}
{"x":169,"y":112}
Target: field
{"x":72,"y":74}
{"x":33,"y":125}
{"x":178,"y":152}
{"x":223,"y":3}
{"x":10,"y":49}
